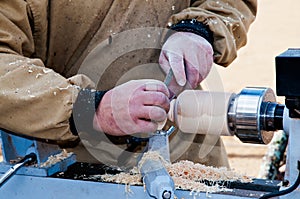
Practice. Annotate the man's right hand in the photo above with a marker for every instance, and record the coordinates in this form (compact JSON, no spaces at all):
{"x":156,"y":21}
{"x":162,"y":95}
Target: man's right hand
{"x":134,"y":107}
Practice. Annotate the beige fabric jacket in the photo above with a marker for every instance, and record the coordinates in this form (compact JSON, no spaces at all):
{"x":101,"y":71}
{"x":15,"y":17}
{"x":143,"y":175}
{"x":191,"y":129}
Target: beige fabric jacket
{"x":43,"y":44}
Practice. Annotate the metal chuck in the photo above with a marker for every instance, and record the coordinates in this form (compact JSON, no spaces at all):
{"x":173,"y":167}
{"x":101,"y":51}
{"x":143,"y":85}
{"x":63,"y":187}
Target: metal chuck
{"x":253,"y":115}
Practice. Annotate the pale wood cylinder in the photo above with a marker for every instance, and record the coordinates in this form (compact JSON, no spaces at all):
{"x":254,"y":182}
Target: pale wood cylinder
{"x":201,"y":112}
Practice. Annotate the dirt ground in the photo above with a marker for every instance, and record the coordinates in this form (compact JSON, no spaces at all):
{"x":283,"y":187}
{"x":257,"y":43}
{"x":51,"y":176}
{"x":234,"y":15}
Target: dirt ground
{"x":276,"y":29}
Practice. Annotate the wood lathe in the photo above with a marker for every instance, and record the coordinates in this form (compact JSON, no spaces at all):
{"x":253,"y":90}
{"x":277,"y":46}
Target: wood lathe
{"x":252,"y":115}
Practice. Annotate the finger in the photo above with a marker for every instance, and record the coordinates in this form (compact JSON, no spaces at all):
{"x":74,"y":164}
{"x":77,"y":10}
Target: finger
{"x":152,"y":113}
{"x":192,"y":70}
{"x":205,"y":65}
{"x":146,"y":126}
{"x":163,"y":62}
{"x":174,"y":88}
{"x":170,"y":81}
{"x":156,"y":86}
{"x":177,"y":64}
{"x":151,"y":98}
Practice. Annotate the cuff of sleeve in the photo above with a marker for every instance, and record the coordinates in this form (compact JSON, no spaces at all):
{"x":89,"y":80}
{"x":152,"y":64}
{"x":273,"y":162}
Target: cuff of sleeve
{"x":84,"y":110}
{"x":193,"y":26}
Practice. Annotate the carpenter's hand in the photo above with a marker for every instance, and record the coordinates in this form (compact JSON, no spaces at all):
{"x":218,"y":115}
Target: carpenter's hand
{"x":133,"y":107}
{"x":190,"y":56}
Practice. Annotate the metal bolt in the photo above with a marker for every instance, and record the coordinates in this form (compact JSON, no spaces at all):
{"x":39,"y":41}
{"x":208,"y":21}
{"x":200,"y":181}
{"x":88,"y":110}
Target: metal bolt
{"x":170,"y":130}
{"x":166,"y":195}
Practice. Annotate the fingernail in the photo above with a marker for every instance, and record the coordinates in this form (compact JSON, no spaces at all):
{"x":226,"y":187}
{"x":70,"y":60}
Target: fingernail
{"x":181,"y":82}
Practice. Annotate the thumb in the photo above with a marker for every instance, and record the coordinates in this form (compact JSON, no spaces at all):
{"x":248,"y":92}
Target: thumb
{"x":177,"y":65}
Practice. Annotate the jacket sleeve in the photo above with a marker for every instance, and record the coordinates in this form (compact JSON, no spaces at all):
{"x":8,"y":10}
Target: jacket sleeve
{"x":229,"y":21}
{"x":35,"y":101}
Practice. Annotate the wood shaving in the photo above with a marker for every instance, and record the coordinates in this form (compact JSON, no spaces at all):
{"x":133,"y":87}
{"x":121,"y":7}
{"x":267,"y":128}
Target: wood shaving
{"x":199,"y":172}
{"x":53,"y":159}
{"x":186,"y":175}
{"x":152,"y":155}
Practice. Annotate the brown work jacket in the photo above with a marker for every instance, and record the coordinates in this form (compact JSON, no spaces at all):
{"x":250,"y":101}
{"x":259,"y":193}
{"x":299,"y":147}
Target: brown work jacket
{"x":44,"y":45}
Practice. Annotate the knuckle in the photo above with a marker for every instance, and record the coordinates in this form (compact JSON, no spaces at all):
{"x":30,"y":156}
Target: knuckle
{"x":157,"y":114}
{"x":160,"y":99}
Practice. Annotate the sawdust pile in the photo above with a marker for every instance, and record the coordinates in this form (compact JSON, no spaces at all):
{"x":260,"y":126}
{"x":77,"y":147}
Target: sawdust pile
{"x":186,"y":175}
{"x":53,"y":159}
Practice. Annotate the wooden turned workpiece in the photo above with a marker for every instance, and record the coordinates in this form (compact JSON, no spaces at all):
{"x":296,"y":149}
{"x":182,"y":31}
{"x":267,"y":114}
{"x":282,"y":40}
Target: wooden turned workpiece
{"x":201,"y":112}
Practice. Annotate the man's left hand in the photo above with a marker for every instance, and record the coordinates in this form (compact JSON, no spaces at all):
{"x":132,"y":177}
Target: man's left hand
{"x":189,"y":56}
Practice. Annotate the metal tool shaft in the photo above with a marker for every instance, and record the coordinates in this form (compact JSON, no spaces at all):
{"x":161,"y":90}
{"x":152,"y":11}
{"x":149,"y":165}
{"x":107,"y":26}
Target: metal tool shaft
{"x":10,"y":172}
{"x":159,"y":183}
{"x":28,"y":158}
